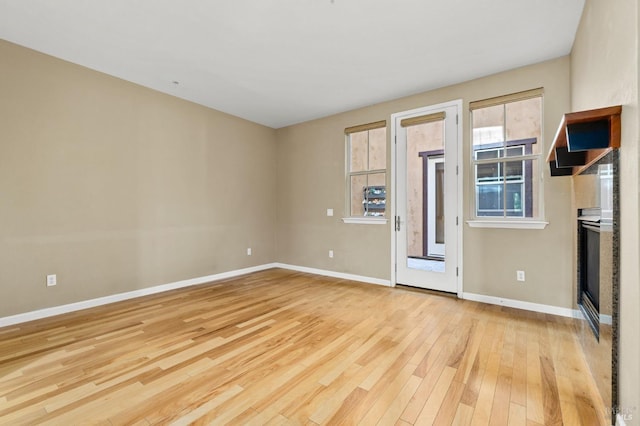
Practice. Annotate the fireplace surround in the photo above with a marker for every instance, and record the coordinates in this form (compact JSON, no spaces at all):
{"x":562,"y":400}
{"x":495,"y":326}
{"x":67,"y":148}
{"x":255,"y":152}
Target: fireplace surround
{"x":586,"y":147}
{"x":596,"y":202}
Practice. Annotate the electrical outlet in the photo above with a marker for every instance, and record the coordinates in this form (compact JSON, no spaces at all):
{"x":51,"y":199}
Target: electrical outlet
{"x":51,"y":280}
{"x":329,"y":212}
{"x":331,"y":254}
{"x":520,"y":275}
{"x":249,"y":251}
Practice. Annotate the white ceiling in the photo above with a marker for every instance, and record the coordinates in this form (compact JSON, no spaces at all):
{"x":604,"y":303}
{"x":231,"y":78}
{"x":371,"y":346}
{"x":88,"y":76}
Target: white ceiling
{"x":280,"y":62}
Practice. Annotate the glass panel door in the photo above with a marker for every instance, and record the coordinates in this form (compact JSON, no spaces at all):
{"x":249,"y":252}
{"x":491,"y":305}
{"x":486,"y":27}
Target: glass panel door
{"x":426,"y":202}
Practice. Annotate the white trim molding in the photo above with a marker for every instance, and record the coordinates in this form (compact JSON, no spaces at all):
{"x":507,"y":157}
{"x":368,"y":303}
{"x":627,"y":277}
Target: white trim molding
{"x":518,"y":304}
{"x":507,"y":224}
{"x":365,"y":220}
{"x":92,"y":303}
{"x":604,"y":319}
{"x":77,"y":306}
{"x":85,"y":304}
{"x":333,"y":274}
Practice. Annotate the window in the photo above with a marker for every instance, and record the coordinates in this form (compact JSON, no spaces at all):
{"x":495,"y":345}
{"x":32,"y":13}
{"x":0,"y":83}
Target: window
{"x":495,"y":180}
{"x":506,"y":152}
{"x":366,"y":170}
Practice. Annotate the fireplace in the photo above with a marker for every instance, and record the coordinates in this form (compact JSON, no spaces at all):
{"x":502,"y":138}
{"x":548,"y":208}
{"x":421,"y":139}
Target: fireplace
{"x":589,"y":267}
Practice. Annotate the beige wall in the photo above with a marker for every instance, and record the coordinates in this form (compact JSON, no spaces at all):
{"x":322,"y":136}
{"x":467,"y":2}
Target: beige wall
{"x":114,"y":187}
{"x":604,"y":72}
{"x":311,"y":179}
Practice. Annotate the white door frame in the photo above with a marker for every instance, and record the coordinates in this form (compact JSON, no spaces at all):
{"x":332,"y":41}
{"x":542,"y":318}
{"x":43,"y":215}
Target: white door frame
{"x":392,"y":199}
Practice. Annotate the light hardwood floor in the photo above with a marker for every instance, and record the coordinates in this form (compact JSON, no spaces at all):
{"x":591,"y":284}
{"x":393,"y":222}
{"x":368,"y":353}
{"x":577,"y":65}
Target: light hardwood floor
{"x":281,"y":347}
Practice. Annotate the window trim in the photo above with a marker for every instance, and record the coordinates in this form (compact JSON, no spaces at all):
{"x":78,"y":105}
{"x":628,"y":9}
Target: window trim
{"x":534,"y":222}
{"x":365,"y":220}
{"x":348,"y":218}
{"x":507,"y":224}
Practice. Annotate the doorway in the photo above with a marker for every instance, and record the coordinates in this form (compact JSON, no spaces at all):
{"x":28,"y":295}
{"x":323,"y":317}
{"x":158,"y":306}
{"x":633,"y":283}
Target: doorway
{"x":427,"y":186}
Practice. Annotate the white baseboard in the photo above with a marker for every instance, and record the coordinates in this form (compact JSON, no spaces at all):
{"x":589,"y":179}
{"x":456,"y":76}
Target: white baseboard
{"x":604,"y":319}
{"x":72,"y":307}
{"x":85,"y":304}
{"x":518,"y":304}
{"x":334,"y":274}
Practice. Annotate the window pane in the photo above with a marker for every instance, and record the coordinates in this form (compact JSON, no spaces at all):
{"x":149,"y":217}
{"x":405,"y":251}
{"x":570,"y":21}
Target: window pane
{"x":515,"y":199}
{"x":424,"y":142}
{"x":358,"y":184}
{"x":488,"y":172}
{"x":427,"y":136}
{"x":377,"y":179}
{"x":532,"y":187}
{"x":489,"y":200}
{"x":514,"y":170}
{"x":439,"y":187}
{"x":358,"y":151}
{"x":419,"y":139}
{"x":488,"y":127}
{"x":514,"y":151}
{"x":378,"y":149}
{"x":523,"y":121}
{"x":375,"y":195}
{"x":521,"y":189}
{"x":488,"y":154}
{"x":368,"y":195}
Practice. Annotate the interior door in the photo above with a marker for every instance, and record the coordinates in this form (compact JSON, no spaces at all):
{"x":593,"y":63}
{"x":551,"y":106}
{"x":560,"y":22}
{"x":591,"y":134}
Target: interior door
{"x":426,"y":228}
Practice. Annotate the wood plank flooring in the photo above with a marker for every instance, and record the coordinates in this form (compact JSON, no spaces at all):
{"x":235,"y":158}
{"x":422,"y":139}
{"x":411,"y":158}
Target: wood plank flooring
{"x":280,"y":347}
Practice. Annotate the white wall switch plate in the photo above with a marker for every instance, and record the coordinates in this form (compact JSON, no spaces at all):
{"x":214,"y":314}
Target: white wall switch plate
{"x":51,"y":280}
{"x":520,"y":275}
{"x":331,"y":253}
{"x":329,"y":212}
{"x":249,"y":251}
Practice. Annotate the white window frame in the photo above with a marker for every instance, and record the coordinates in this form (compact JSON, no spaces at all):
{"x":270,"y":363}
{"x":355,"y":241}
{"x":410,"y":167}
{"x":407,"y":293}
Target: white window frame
{"x":369,"y":220}
{"x":503,"y":221}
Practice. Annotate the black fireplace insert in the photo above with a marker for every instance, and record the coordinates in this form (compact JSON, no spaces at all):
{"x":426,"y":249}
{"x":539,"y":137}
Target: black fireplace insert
{"x":589,"y":267}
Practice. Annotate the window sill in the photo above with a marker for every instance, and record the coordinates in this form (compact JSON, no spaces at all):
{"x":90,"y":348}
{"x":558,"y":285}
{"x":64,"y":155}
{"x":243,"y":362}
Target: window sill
{"x":366,"y":220}
{"x":508,"y":224}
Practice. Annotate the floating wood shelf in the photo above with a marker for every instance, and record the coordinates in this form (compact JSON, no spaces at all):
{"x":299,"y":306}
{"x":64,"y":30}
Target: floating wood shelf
{"x":583,"y":138}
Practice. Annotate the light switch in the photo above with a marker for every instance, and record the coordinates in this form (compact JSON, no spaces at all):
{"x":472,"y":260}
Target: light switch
{"x":52,"y":280}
